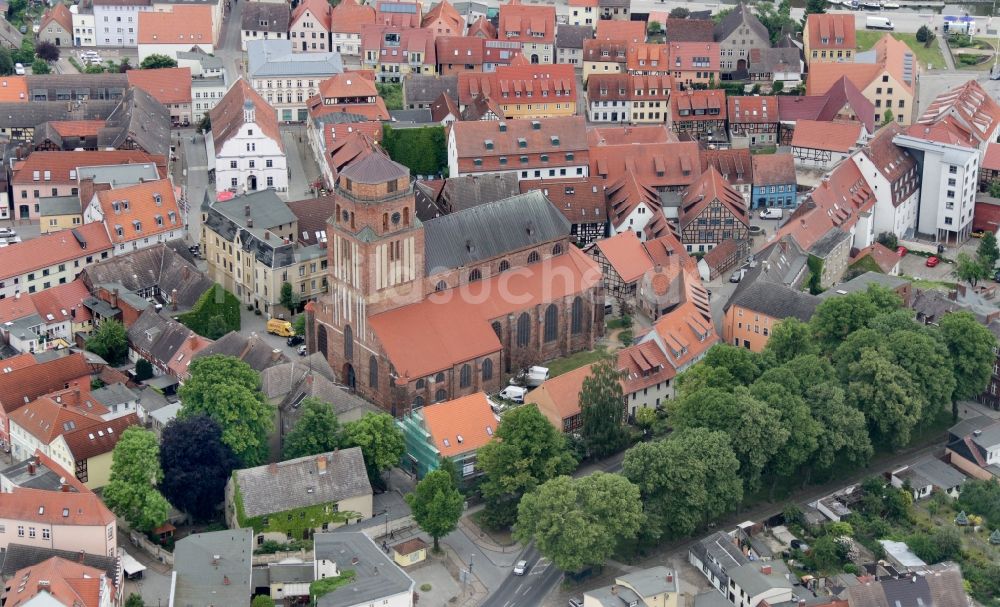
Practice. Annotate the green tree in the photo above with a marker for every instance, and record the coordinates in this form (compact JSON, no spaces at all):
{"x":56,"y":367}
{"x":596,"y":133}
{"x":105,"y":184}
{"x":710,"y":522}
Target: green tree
{"x":381,"y":442}
{"x":289,"y":298}
{"x":94,"y":69}
{"x":696,"y":377}
{"x":887,"y":396}
{"x":814,"y":7}
{"x":797,"y":423}
{"x":688,"y":479}
{"x":436,"y":505}
{"x":887,"y":117}
{"x":826,"y":554}
{"x":790,"y":338}
{"x":580,"y":522}
{"x":777,"y":19}
{"x":156,"y":61}
{"x":888,"y":239}
{"x":40,"y":67}
{"x":987,"y":252}
{"x":971,"y":347}
{"x":845,"y":435}
{"x":602,"y":410}
{"x":25,"y":55}
{"x":134,"y":600}
{"x":982,"y":497}
{"x":6,"y":62}
{"x":262,"y":600}
{"x":743,"y":365}
{"x":777,"y":86}
{"x":838,"y":317}
{"x":143,"y":370}
{"x":110,"y":342}
{"x":969,"y":269}
{"x":528,"y":451}
{"x":928,"y":362}
{"x":299,"y":324}
{"x":227,"y":390}
{"x":317,"y":430}
{"x":392,"y":94}
{"x":448,"y":465}
{"x":135,"y":471}
{"x":941,"y":544}
{"x":680,"y":13}
{"x":655,"y":28}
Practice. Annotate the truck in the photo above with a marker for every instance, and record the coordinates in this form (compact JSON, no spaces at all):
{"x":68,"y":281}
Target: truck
{"x":878,"y":23}
{"x":279,"y":327}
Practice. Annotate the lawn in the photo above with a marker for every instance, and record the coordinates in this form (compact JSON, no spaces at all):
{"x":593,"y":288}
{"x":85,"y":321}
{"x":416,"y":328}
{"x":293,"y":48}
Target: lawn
{"x":932,"y":55}
{"x":574,"y":361}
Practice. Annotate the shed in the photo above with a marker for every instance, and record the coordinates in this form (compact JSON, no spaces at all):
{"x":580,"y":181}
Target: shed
{"x":410,"y":552}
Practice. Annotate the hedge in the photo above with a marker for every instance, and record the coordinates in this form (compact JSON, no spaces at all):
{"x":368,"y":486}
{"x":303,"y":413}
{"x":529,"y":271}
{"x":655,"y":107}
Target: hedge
{"x":422,"y":149}
{"x":216,"y":313}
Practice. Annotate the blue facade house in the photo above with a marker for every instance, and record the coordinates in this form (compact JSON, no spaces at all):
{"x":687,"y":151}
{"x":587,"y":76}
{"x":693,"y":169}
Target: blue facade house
{"x":773,"y":181}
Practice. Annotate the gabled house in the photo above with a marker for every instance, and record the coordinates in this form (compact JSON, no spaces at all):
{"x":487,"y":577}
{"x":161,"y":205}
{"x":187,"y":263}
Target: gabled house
{"x":352,"y":93}
{"x":777,"y":65}
{"x":736,"y":167}
{"x":183,"y":28}
{"x":894,"y":175}
{"x":654,"y":587}
{"x":137,"y":216}
{"x":927,"y":476}
{"x":974,"y":447}
{"x":394,"y":52}
{"x":56,"y":26}
{"x":309,"y":29}
{"x":569,"y":43}
{"x":377,"y":579}
{"x":455,"y":429}
{"x":421,"y":91}
{"x":647,"y":59}
{"x":695,"y":63}
{"x":583,"y":12}
{"x":459,"y":54}
{"x":76,"y":521}
{"x":829,"y":38}
{"x":26,"y":382}
{"x":739,"y":34}
{"x":774,"y":182}
{"x":227,"y":554}
{"x":547,"y":148}
{"x":581,"y":200}
{"x":264,"y":21}
{"x":347,"y":20}
{"x":63,"y":583}
{"x":170,"y":86}
{"x":711,"y":212}
{"x":753,"y":121}
{"x":558,"y":399}
{"x":525,"y":91}
{"x":700,"y":114}
{"x":628,"y":98}
{"x":533,"y":27}
{"x":842,"y":102}
{"x":752,"y":312}
{"x":444,"y":20}
{"x":247,"y":149}
{"x":824,"y":145}
{"x":402,"y":14}
{"x":604,"y":57}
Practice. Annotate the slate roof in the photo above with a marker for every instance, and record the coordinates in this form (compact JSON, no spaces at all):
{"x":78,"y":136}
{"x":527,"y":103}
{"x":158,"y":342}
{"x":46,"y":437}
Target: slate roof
{"x":776,"y":301}
{"x":753,"y":581}
{"x":937,"y":473}
{"x":376,"y":576}
{"x":20,"y":556}
{"x":274,"y":17}
{"x":251,"y":349}
{"x":374,"y":169}
{"x":139,"y":119}
{"x":490,"y":230}
{"x":940,"y":589}
{"x":25,"y":115}
{"x":468,"y":191}
{"x":861,"y":284}
{"x":299,"y":482}
{"x":737,"y":17}
{"x":226,"y":218}
{"x":572,"y":36}
{"x":275,"y":58}
{"x":201,"y":579}
{"x":59,"y":205}
{"x":421,"y":89}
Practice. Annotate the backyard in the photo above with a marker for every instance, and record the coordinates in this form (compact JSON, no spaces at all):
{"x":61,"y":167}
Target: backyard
{"x":924,"y":54}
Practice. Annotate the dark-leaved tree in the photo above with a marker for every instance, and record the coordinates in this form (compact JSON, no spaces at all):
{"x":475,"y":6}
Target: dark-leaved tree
{"x":196,"y":465}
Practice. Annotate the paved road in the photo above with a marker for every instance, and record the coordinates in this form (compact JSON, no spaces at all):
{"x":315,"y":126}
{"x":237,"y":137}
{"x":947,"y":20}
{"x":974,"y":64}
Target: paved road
{"x":530,"y":589}
{"x":228,"y":48}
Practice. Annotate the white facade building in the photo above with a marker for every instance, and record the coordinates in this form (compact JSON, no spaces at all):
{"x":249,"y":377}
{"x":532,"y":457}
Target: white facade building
{"x":947,"y":198}
{"x":288,"y":79}
{"x":116,"y":22}
{"x":84,"y":34}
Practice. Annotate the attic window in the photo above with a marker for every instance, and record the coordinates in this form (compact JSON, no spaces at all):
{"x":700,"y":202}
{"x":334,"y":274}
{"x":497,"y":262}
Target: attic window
{"x":446,"y":442}
{"x":137,"y":225}
{"x":503,"y":128}
{"x":489,"y":144}
{"x":65,"y":512}
{"x":555,"y":139}
{"x":536,"y":125}
{"x":119,"y":230}
{"x":72,"y":173}
{"x":116,"y":206}
{"x":157,"y":199}
{"x":460,"y":439}
{"x":489,"y":430}
{"x":159,"y":220}
{"x":522,"y":142}
{"x":36,"y":175}
{"x":48,"y":175}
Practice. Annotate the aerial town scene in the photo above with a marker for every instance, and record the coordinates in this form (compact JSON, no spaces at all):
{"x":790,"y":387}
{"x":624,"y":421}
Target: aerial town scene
{"x":499,"y":303}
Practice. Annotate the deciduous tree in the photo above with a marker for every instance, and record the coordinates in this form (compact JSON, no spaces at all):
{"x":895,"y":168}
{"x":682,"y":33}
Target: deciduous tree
{"x":47,"y":51}
{"x":317,"y":430}
{"x":969,"y":269}
{"x":602,"y":410}
{"x":381,"y":442}
{"x":156,"y":61}
{"x":135,"y":470}
{"x":744,"y":365}
{"x":143,"y":370}
{"x":987,"y":252}
{"x":109,"y":341}
{"x":196,"y":465}
{"x":790,"y":338}
{"x":887,"y":396}
{"x":436,"y":505}
{"x":228,"y":390}
{"x":838,"y":317}
{"x":579,"y":522}
{"x":971,"y":347}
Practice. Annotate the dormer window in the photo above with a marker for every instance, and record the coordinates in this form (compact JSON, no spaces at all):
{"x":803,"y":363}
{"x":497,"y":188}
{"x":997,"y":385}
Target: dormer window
{"x":522,"y":142}
{"x":120,"y":231}
{"x":157,"y":199}
{"x":159,"y":220}
{"x":489,"y":144}
{"x":555,"y":139}
{"x":137,"y":225}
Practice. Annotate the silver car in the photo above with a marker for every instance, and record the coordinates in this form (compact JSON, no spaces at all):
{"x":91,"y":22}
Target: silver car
{"x":521,"y":568}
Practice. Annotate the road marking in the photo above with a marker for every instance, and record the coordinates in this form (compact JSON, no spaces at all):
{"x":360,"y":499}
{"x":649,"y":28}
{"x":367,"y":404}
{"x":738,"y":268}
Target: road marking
{"x":541,"y":566}
{"x":519,"y":586}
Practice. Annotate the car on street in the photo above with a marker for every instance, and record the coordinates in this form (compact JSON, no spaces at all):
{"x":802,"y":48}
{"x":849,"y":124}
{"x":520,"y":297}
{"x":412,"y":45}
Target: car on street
{"x":737,"y":275}
{"x":7,"y":232}
{"x":302,"y":350}
{"x":521,"y":568}
{"x":294,"y":340}
{"x":772,"y":213}
{"x":932,"y":261}
{"x":901,"y":251}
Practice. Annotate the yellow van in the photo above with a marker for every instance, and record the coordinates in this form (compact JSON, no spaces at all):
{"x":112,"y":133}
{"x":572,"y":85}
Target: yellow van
{"x":280,"y":327}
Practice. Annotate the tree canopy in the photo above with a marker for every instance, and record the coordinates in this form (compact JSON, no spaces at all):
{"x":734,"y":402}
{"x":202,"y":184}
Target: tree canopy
{"x":135,"y":470}
{"x":109,"y":341}
{"x":602,"y":410}
{"x":156,"y":61}
{"x":381,"y":442}
{"x":970,"y":345}
{"x":436,"y":505}
{"x":317,"y":430}
{"x":196,"y":465}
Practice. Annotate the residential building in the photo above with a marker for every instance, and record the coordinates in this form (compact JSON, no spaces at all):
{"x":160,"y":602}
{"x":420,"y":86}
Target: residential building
{"x":887,"y":75}
{"x":736,"y":167}
{"x":437,"y":359}
{"x":309,"y":30}
{"x":57,"y":213}
{"x":580,"y":199}
{"x":63,"y":520}
{"x":695,"y":63}
{"x":479,"y":26}
{"x":630,"y":32}
{"x":83,"y":24}
{"x":50,"y":318}
{"x":247,"y":148}
{"x":947,"y":143}
{"x":604,"y":57}
{"x":753,"y":121}
{"x":335,"y":143}
{"x":524,"y":91}
{"x":402,"y":13}
{"x":927,"y":476}
{"x":27,"y":382}
{"x":648,"y":59}
{"x":533,"y":27}
{"x":700,"y":114}
{"x":886,"y":260}
{"x":212,"y":568}
{"x":264,"y":21}
{"x":893,"y":174}
{"x":458,"y":54}
{"x":394,"y":52}
{"x":207,"y":91}
{"x":774,"y":65}
{"x":56,"y":26}
{"x":319,"y":492}
{"x":287,"y":79}
{"x":739,"y":34}
{"x":62,"y":582}
{"x":757,"y":583}
{"x":137,"y":216}
{"x":989,"y":168}
{"x":264,"y":223}
{"x":569,"y":43}
{"x":421,"y":91}
{"x":169,"y":86}
{"x":444,"y":20}
{"x":558,"y":399}
{"x":377,"y":579}
{"x":582,"y":13}
{"x":38,"y":471}
{"x":939,"y":585}
{"x":614,"y":9}
{"x":549,"y":148}
{"x":161,"y":341}
{"x":51,"y":259}
{"x":774,"y":182}
{"x":974,"y":447}
{"x":351,"y":93}
{"x":829,"y":38}
{"x":752,"y":312}
{"x":824,"y":145}
{"x":695,"y":28}
{"x":455,"y":429}
{"x":117,"y":21}
{"x":347,"y":21}
{"x":216,"y":8}
{"x":711,"y":212}
{"x":654,"y":587}
{"x":627,"y":98}
{"x":184,"y":28}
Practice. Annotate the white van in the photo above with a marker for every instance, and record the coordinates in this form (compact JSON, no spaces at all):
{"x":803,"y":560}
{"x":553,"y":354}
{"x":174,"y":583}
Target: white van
{"x":513,"y":393}
{"x":772,"y":213}
{"x":878,"y":23}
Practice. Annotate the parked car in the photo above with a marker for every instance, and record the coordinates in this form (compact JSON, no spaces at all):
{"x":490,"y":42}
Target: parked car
{"x":294,"y":340}
{"x":978,"y":233}
{"x":772,"y":213}
{"x":7,"y":232}
{"x":521,"y":568}
{"x":19,"y":67}
{"x":901,"y":251}
{"x":281,"y":328}
{"x":737,"y":275}
{"x":932,"y":261}
{"x":513,"y":393}
{"x":302,"y":350}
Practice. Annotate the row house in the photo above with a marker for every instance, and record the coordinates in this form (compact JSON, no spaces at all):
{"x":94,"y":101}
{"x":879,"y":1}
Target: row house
{"x":582,"y":202}
{"x":335,"y":144}
{"x":167,"y":344}
{"x":116,"y":21}
{"x":823,"y":145}
{"x":400,"y":14}
{"x":286,"y":79}
{"x":56,"y":26}
{"x":628,"y":98}
{"x":352,"y":93}
{"x":618,"y":10}
{"x":46,"y":319}
{"x":700,"y":114}
{"x":171,"y":87}
{"x":74,"y":521}
{"x":533,"y":27}
{"x":182,"y":29}
{"x":264,"y":21}
{"x":753,"y":121}
{"x":26,"y":378}
{"x":444,"y":20}
{"x":569,"y":43}
{"x":549,"y":148}
{"x":523,"y":91}
{"x":499,"y":53}
{"x":393,"y":52}
{"x":842,"y":102}
{"x":712,"y":212}
{"x":829,"y":38}
{"x":647,"y":59}
{"x":694,"y":63}
{"x":453,"y":429}
{"x":739,"y":34}
{"x":208,"y":86}
{"x":736,"y":167}
{"x":631,"y":32}
{"x":309,"y":29}
{"x":604,"y":57}
{"x":774,"y":65}
{"x":887,"y":75}
{"x":51,"y":259}
{"x":459,"y":54}
{"x":583,"y":13}
{"x":774,"y":183}
{"x":137,"y":216}
{"x":84,"y":30}
{"x":347,"y":21}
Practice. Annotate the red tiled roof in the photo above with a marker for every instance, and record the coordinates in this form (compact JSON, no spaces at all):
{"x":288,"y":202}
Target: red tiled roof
{"x":835,"y":203}
{"x":618,"y":87}
{"x":15,"y":89}
{"x":579,"y":199}
{"x":895,"y":163}
{"x":630,"y":135}
{"x":991,"y":160}
{"x":77,"y":128}
{"x":967,"y":105}
{"x":698,"y":103}
{"x":709,"y":187}
{"x":453,"y":326}
{"x":349,"y":17}
{"x":773,"y":169}
{"x":886,"y":259}
{"x":23,"y":385}
{"x":626,"y":255}
{"x":986,"y":216}
{"x":559,"y":398}
{"x":184,"y":25}
{"x":687,"y":331}
{"x":461,"y":425}
{"x":97,"y":439}
{"x":228,"y":115}
{"x":623,"y":31}
{"x":52,"y":249}
{"x":59,"y":164}
{"x":318,"y":9}
{"x":62,"y":302}
{"x":644,"y":57}
{"x":19,"y":361}
{"x":452,"y":23}
{"x":482,"y":28}
{"x":756,"y":109}
{"x":195,"y":343}
{"x":13,"y":308}
{"x":443,"y":107}
{"x":643,"y":365}
{"x":736,"y":166}
{"x":831,"y":27}
{"x":411,"y":40}
{"x":683,"y":54}
{"x":832,"y":136}
{"x":555,"y":82}
{"x":143,"y":210}
{"x":45,"y":419}
{"x":518,"y":23}
{"x":471,"y":139}
{"x":170,"y":85}
{"x":47,"y":507}
{"x":594,"y":50}
{"x":397,"y":18}
{"x":656,"y":165}
{"x":460,"y":50}
{"x":66,"y":582}
{"x":61,"y":15}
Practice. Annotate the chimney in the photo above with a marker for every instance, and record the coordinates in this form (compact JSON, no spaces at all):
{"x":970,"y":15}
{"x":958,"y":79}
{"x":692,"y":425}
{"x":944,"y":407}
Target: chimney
{"x":246,"y":211}
{"x":321,"y":464}
{"x":250,"y":222}
{"x":267,"y":235}
{"x":275,"y":354}
{"x":614,"y":589}
{"x":193,"y":339}
{"x":670,"y":577}
{"x":977,"y":433}
{"x":173,"y":299}
{"x":79,"y":557}
{"x":185,"y":272}
{"x":31,"y":467}
{"x":43,"y":585}
{"x":63,"y":485}
{"x":765,"y":569}
{"x":114,"y":298}
{"x":225,"y":580}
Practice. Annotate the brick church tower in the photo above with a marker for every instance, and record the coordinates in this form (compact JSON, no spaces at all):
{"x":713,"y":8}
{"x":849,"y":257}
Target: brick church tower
{"x":375,"y":261}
